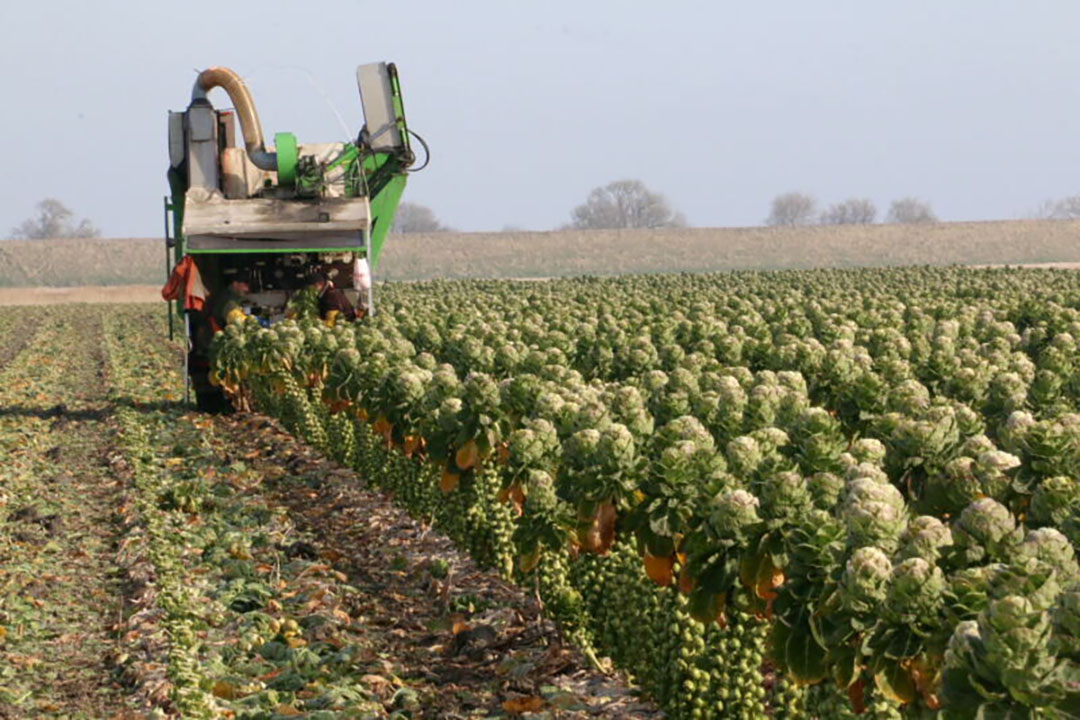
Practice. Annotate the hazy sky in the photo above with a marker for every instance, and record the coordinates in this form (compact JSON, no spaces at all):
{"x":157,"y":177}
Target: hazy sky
{"x":970,"y":104}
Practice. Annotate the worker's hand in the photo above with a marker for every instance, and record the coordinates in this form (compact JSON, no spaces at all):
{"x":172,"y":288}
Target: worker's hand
{"x":331,"y":318}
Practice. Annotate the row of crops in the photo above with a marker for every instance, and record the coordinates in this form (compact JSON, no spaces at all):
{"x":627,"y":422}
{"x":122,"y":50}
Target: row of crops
{"x":235,"y":625}
{"x":797,"y":495}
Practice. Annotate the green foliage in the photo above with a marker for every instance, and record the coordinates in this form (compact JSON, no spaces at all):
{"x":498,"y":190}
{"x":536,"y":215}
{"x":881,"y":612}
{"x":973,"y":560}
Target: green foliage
{"x":872,"y":470}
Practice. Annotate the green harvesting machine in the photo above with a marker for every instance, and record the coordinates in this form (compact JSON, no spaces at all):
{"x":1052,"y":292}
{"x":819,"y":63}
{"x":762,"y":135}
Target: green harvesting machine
{"x":276,"y":216}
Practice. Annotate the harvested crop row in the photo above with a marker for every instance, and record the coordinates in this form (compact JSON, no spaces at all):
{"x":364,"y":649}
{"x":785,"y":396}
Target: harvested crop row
{"x":17,"y":329}
{"x":59,"y":596}
{"x":252,"y":626}
{"x":144,"y":366}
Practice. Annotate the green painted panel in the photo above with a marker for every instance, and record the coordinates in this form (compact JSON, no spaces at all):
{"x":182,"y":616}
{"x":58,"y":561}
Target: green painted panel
{"x":383,"y":207}
{"x":245,"y":251}
{"x":288,"y":156}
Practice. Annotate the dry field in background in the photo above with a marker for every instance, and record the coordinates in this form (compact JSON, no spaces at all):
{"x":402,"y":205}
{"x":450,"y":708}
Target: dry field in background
{"x":599,"y":252}
{"x":110,"y":294}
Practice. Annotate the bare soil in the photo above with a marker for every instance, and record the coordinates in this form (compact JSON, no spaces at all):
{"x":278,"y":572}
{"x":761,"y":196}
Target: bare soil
{"x":88,"y":294}
{"x":1053,"y":265}
{"x":19,"y":336}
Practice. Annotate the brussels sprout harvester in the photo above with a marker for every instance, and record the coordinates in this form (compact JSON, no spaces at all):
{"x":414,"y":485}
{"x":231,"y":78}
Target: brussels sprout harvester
{"x":277,"y":214}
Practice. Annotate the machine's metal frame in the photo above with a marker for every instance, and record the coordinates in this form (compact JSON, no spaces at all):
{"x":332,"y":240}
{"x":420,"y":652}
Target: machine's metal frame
{"x":228,"y":203}
{"x":378,"y":162}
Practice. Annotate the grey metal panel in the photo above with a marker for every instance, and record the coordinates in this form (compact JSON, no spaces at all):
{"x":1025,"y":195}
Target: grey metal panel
{"x":202,"y":122}
{"x":268,"y":298}
{"x":378,"y":101}
{"x":176,"y":139}
{"x":202,"y":147}
{"x":302,"y":242}
{"x":210,"y":214}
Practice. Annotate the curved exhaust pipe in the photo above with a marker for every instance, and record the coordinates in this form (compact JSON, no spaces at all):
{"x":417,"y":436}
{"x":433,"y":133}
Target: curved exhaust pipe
{"x":250,"y":126}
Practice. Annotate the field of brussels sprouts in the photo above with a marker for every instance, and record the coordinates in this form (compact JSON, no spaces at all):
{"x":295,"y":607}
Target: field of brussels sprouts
{"x":791,"y":495}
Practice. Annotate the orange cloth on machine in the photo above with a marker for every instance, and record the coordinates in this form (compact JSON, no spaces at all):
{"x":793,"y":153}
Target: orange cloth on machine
{"x":185,"y":277}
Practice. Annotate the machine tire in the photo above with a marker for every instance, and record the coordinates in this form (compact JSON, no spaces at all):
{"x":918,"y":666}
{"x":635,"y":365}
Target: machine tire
{"x":209,"y":398}
{"x":213,"y":402}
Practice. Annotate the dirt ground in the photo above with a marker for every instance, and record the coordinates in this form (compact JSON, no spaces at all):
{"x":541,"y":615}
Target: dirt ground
{"x":1052,"y":265}
{"x":67,"y":295}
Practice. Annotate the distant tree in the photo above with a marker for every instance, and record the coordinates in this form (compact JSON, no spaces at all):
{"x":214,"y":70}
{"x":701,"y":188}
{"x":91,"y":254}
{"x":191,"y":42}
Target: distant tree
{"x":416,"y":218}
{"x":1044,"y":211}
{"x":54,"y":220}
{"x":1067,"y":208}
{"x":793,"y":208}
{"x":624,"y":204}
{"x":910,"y":210}
{"x":853,"y":211}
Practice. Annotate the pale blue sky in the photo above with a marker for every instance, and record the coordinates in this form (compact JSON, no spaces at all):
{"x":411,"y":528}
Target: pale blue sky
{"x":970,"y":104}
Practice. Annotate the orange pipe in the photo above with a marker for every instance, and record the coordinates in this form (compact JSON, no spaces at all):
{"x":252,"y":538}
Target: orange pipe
{"x":250,"y":126}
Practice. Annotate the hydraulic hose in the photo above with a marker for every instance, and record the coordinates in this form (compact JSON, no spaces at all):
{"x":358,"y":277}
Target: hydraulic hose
{"x":250,"y":126}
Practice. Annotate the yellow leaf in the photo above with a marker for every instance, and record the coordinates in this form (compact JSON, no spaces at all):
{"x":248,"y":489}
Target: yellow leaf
{"x":467,"y":455}
{"x":287,"y":710}
{"x":523,"y":705}
{"x":529,"y":561}
{"x":659,"y":568}
{"x":896,"y":683}
{"x":686,"y":581}
{"x":224,"y":690}
{"x":449,"y":480}
{"x":412,"y":444}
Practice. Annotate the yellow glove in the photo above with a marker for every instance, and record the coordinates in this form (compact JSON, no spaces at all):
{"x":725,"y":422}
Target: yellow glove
{"x":331,"y":318}
{"x":234,"y":316}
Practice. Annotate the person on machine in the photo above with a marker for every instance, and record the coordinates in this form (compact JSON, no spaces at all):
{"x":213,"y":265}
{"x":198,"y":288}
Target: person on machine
{"x":333,"y":303}
{"x":226,"y":305}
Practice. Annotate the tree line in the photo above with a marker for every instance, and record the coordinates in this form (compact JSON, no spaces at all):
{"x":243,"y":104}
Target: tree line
{"x":796,"y":208}
{"x":53,"y":220}
{"x":628,"y":204}
{"x":622,"y":204}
